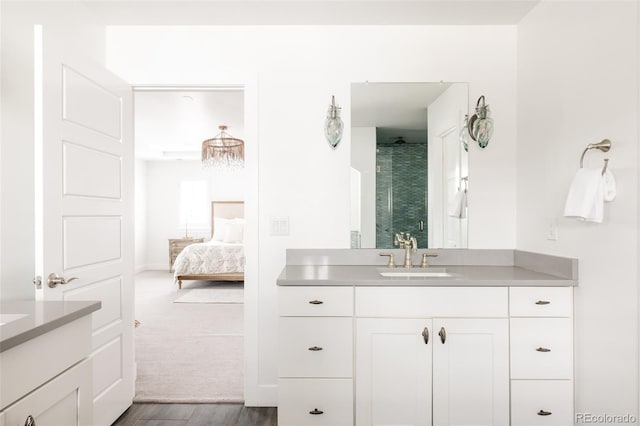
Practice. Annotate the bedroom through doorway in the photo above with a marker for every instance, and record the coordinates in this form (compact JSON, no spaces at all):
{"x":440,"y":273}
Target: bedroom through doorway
{"x":189,"y":247}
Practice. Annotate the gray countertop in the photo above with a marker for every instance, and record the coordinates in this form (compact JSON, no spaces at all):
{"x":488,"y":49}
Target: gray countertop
{"x":35,"y":318}
{"x":461,"y":276}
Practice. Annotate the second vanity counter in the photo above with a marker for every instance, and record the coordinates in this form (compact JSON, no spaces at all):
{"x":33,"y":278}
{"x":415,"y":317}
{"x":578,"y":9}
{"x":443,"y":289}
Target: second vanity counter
{"x":467,"y":268}
{"x":461,"y":276}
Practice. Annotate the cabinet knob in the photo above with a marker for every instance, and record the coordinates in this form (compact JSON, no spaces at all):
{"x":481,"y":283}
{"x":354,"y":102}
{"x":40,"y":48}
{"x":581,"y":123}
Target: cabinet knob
{"x":30,"y":421}
{"x":316,"y":302}
{"x":542,"y":302}
{"x":443,"y":335}
{"x":425,"y":335}
{"x":315,"y":348}
{"x":316,"y":412}
{"x":543,"y":349}
{"x":544,"y":413}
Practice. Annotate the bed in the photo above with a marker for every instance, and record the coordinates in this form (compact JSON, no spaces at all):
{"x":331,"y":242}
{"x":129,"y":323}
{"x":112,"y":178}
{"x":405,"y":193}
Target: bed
{"x":222,"y":257}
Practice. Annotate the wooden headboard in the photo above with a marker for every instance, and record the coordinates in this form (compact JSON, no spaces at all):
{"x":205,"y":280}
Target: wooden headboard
{"x":226,"y":210}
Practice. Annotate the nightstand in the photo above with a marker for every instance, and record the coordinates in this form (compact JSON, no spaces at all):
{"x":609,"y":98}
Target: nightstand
{"x":176,"y":245}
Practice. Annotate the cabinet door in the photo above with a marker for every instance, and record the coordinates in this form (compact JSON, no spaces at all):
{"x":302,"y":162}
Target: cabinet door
{"x":393,"y":372}
{"x":471,"y":372}
{"x":66,"y":400}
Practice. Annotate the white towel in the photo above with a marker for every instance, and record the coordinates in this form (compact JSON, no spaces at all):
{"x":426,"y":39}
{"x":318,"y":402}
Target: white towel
{"x":587,"y":194}
{"x":458,"y":205}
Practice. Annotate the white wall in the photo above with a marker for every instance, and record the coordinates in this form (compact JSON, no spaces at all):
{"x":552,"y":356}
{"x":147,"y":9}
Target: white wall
{"x":162,"y":198}
{"x":577,"y":84}
{"x":363,"y":159}
{"x":298,"y":69}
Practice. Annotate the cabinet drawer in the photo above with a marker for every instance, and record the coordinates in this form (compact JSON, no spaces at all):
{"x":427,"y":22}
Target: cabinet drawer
{"x":315,"y":301}
{"x":541,"y":348}
{"x":316,"y":347}
{"x":532,"y":398}
{"x":541,"y":301}
{"x":412,"y":302}
{"x":299,"y":397}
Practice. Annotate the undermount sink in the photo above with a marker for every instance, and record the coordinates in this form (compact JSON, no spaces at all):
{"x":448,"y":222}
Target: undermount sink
{"x":414,"y":272}
{"x":7,"y":318}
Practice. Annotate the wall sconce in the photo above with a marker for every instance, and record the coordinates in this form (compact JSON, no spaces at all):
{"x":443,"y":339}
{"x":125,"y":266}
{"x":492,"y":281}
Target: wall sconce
{"x":481,"y":124}
{"x":333,"y":125}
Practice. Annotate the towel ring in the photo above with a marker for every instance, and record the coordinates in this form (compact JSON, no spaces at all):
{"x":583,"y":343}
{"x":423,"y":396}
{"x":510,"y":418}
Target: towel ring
{"x":604,"y":146}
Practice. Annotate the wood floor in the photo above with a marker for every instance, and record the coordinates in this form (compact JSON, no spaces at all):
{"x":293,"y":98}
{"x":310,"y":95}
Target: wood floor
{"x":141,"y":414}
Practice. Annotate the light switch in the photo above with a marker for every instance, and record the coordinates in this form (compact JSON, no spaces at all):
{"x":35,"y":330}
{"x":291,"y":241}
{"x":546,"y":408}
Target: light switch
{"x":280,"y":226}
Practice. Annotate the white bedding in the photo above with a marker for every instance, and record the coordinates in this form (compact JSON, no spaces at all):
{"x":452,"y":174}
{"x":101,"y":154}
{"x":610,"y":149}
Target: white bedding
{"x":212,"y":257}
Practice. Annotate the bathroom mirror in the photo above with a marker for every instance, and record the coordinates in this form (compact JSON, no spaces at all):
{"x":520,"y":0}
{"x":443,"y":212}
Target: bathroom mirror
{"x":409,"y":164}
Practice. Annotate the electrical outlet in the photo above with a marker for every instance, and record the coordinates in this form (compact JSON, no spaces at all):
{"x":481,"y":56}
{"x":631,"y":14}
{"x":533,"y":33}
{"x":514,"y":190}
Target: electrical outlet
{"x":552,"y":230}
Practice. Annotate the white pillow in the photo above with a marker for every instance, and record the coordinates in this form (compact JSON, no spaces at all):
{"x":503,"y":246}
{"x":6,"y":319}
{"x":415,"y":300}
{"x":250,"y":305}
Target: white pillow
{"x":235,"y":233}
{"x":220,"y":228}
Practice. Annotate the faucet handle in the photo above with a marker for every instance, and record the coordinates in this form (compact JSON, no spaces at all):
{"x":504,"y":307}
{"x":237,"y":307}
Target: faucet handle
{"x":392,"y":261}
{"x":425,"y":263}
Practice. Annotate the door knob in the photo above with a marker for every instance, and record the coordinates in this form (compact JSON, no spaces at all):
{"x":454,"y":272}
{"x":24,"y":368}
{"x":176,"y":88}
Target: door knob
{"x":54,"y":279}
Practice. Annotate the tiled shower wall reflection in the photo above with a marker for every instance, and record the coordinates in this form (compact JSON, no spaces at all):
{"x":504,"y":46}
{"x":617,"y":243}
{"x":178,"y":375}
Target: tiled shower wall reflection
{"x":401,"y":192}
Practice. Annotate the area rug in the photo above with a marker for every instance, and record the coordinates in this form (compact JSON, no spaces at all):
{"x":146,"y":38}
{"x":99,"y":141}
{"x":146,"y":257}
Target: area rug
{"x":212,"y":295}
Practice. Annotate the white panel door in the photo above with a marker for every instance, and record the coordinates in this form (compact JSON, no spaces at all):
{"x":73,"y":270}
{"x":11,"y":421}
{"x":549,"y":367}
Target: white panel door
{"x":87,"y":204}
{"x":471,"y":372}
{"x":393,"y":371}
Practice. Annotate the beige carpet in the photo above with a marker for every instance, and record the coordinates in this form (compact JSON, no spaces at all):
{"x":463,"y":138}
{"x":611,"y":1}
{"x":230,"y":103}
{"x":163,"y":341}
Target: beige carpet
{"x":187,"y":352}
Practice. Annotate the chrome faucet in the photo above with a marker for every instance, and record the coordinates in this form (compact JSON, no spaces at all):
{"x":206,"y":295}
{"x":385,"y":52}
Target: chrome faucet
{"x":409,"y":244}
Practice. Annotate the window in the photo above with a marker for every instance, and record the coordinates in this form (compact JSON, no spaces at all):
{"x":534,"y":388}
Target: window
{"x":194,"y":209}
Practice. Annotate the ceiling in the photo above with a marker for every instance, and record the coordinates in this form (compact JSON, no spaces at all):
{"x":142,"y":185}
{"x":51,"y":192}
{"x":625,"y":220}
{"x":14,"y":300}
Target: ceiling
{"x":171,"y":124}
{"x":312,"y":12}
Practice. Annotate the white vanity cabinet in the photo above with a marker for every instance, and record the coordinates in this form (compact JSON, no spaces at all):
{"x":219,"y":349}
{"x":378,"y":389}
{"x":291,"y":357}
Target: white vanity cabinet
{"x":449,"y":366}
{"x":425,"y":356}
{"x":315,"y":384}
{"x":541,"y":327}
{"x":47,"y":380}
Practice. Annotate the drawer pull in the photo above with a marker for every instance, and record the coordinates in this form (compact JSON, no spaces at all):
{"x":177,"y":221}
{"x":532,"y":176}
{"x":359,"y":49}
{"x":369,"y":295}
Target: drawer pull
{"x":542,"y":302}
{"x":443,"y":335}
{"x":316,"y":412}
{"x":543,"y":350}
{"x":316,"y":302}
{"x":315,"y":348}
{"x":425,"y":335}
{"x":544,"y":413}
{"x":30,"y":421}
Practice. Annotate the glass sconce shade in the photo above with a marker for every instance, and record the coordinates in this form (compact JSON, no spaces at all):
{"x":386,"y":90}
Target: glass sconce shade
{"x":464,"y":133}
{"x":481,"y":124}
{"x":333,"y":125}
{"x":223,"y":151}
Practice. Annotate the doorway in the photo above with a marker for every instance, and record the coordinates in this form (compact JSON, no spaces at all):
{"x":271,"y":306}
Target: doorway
{"x":189,"y":341}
